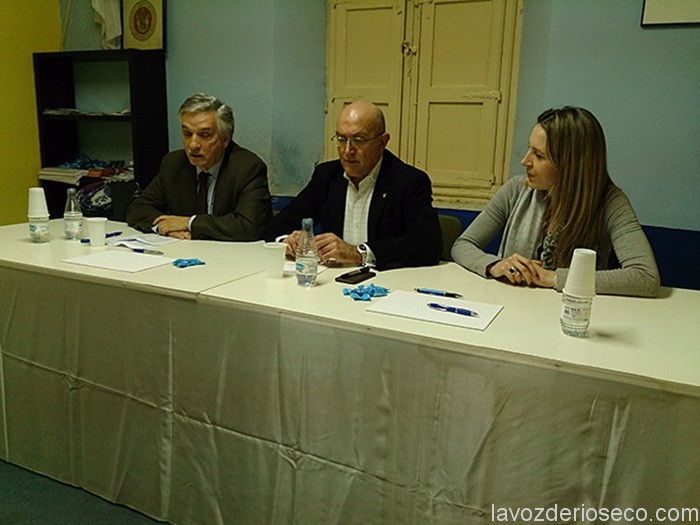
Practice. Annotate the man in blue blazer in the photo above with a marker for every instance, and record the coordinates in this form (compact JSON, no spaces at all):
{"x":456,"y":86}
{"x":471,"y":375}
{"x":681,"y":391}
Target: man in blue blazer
{"x":211,"y":189}
{"x":371,"y":207}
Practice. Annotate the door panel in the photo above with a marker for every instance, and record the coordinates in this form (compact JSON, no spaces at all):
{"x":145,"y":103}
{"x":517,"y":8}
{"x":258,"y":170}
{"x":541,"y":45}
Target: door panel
{"x":458,"y":94}
{"x":458,"y":146}
{"x":365,"y":59}
{"x":443,"y":72}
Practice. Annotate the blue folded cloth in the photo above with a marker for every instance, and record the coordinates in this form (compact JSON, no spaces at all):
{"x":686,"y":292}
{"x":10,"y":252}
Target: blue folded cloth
{"x":365,"y":293}
{"x":184,"y":263}
{"x":84,"y":162}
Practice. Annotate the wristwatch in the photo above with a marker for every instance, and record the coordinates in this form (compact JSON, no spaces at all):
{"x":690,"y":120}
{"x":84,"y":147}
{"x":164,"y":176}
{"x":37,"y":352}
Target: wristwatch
{"x":362,"y":250}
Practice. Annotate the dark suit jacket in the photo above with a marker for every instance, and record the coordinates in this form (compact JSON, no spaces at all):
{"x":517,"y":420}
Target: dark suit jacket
{"x":403,"y":227}
{"x":241,"y":205}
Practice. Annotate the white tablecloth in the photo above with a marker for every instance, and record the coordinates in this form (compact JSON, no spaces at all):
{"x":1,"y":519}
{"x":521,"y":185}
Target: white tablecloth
{"x":256,"y":401}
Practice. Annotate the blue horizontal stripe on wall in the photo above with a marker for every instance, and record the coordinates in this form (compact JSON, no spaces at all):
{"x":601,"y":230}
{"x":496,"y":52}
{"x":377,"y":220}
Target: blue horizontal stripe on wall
{"x":676,"y":251}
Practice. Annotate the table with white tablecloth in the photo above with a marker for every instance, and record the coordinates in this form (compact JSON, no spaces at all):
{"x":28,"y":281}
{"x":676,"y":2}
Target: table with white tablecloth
{"x":214,"y":394}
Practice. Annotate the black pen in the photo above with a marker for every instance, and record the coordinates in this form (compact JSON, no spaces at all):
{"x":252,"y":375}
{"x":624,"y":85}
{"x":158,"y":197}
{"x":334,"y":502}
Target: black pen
{"x":147,"y":251}
{"x":441,"y":293}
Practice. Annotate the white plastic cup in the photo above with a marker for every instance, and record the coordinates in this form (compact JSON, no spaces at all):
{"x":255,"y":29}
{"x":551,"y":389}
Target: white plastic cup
{"x":274,"y":259}
{"x":580,"y":282}
{"x":96,"y":230}
{"x":578,"y":293}
{"x":39,"y":228}
{"x":37,"y":206}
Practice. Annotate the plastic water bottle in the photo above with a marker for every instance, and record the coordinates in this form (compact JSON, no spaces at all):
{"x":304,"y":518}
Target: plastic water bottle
{"x":575,"y":315}
{"x":307,"y":256}
{"x":72,"y":216}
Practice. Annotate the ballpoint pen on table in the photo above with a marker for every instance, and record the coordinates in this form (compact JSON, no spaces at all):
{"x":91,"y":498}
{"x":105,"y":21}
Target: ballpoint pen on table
{"x":453,"y":309}
{"x":146,"y":251}
{"x":441,"y":293}
{"x":85,"y":240}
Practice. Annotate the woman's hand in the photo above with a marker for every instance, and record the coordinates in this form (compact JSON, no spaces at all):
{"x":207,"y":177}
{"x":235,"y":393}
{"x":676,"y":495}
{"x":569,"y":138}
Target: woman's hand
{"x":545,"y":278}
{"x":520,"y":271}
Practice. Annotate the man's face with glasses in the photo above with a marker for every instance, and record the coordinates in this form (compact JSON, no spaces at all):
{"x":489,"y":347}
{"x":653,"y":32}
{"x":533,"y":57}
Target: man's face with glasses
{"x":360,"y":144}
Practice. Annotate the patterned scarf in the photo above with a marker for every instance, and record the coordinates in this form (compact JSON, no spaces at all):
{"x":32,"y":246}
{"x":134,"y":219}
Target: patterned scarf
{"x":549,"y":256}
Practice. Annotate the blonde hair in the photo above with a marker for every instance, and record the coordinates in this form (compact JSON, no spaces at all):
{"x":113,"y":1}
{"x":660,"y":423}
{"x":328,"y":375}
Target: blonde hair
{"x":576,"y":147}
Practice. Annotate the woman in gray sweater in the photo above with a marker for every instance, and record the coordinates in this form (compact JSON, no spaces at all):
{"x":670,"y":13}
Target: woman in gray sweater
{"x":565,"y":201}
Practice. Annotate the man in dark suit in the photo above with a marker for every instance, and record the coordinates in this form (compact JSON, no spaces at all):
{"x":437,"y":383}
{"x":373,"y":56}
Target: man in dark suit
{"x":211,"y":189}
{"x":372,"y":207}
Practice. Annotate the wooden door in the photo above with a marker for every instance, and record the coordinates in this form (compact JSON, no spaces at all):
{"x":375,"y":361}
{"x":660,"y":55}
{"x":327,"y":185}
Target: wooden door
{"x":365,"y":60}
{"x":443,"y":72}
{"x":460,"y":94}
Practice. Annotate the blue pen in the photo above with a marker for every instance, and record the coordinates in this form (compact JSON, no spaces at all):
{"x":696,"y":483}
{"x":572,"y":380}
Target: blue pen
{"x":453,"y":309}
{"x":85,"y":240}
{"x":441,"y":293}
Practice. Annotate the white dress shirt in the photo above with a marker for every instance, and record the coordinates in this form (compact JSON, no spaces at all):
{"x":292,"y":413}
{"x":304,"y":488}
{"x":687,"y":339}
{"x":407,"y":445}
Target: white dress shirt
{"x":357,"y":203}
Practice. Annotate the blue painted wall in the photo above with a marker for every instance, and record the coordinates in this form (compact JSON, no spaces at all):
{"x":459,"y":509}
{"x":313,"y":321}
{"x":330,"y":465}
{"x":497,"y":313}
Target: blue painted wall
{"x":267,"y":59}
{"x":643,"y":84}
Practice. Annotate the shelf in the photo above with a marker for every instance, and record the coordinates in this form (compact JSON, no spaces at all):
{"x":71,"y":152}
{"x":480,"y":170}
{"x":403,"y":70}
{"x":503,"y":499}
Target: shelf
{"x":122,"y":115}
{"x":86,"y":116}
{"x":113,"y":55}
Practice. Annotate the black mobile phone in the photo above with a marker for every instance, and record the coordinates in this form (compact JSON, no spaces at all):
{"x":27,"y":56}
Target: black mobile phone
{"x":356,"y":276}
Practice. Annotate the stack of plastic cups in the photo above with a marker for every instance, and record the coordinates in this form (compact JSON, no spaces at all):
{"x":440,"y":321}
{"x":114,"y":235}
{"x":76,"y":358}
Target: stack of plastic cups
{"x":38,"y":216}
{"x":579,"y":292}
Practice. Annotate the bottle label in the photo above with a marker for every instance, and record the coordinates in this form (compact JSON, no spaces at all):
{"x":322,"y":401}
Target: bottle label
{"x":72,"y":228}
{"x":39,"y":231}
{"x":577,"y":312}
{"x":307,"y":266}
{"x":575,"y":315}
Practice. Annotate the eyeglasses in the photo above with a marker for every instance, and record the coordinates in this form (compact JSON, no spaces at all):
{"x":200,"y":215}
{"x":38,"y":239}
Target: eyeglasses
{"x":355,"y":142}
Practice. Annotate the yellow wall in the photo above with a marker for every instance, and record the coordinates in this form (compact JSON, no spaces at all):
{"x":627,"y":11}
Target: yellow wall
{"x":25,"y":27}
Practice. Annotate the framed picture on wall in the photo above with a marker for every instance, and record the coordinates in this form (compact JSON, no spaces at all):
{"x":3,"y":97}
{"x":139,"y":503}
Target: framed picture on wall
{"x":143,"y":23}
{"x":670,"y":12}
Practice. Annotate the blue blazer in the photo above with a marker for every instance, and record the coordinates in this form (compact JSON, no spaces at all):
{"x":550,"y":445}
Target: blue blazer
{"x":403,"y":226}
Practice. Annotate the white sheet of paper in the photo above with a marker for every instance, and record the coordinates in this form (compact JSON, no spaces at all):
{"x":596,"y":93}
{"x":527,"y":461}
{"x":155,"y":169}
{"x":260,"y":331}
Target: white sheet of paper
{"x":120,"y":260}
{"x":414,"y":305}
{"x":144,"y":240}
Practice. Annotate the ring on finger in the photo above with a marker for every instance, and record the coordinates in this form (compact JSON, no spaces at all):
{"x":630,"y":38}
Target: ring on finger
{"x":512,"y":270}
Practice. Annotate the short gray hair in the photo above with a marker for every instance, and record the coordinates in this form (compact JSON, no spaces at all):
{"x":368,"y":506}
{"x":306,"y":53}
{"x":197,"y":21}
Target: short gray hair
{"x":199,"y":103}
